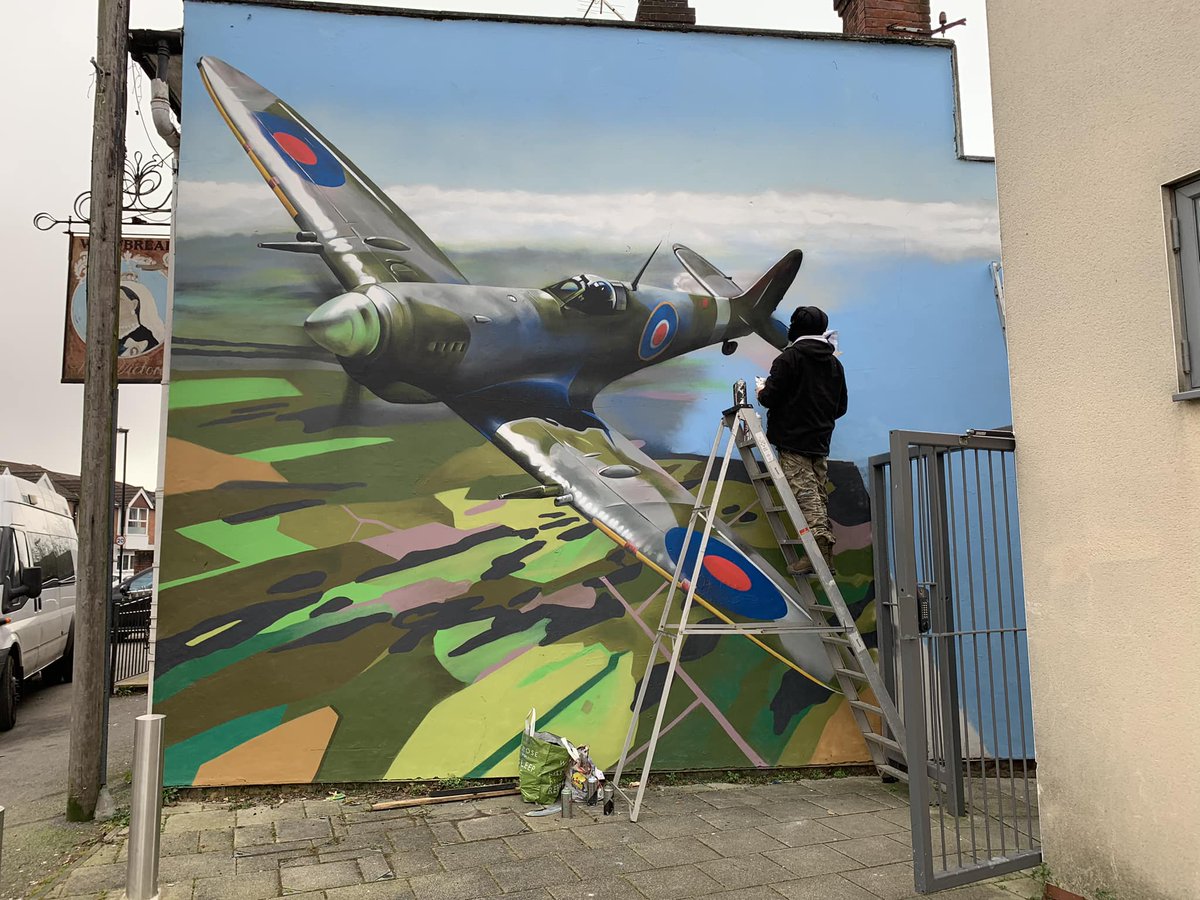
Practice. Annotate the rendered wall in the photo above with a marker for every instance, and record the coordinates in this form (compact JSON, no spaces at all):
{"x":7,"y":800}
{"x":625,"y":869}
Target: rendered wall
{"x":1095,"y":113}
{"x":342,"y":595}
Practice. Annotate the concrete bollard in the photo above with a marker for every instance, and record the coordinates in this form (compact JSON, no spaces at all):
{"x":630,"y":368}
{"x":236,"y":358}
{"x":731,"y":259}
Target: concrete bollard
{"x":141,"y":874}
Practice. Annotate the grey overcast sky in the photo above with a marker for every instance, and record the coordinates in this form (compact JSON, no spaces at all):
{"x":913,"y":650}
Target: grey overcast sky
{"x":44,"y":64}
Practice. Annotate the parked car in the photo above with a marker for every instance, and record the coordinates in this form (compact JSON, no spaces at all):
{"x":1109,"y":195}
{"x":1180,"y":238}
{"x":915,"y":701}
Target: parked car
{"x":131,"y":606}
{"x":38,"y":550}
{"x":135,"y":591}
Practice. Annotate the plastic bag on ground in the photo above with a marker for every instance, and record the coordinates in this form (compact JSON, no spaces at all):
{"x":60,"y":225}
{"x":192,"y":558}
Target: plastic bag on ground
{"x":543,"y":763}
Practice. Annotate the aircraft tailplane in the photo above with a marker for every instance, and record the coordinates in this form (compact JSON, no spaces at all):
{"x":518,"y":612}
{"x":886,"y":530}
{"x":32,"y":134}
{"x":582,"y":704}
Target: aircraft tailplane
{"x":756,"y":305}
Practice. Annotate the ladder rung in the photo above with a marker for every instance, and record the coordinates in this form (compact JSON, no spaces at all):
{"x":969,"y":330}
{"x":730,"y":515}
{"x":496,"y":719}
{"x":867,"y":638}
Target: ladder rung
{"x":881,"y":741}
{"x":898,"y":774}
{"x":752,"y":628}
{"x":774,"y":509}
{"x":840,"y":641}
{"x":866,"y":707}
{"x":760,"y":476}
{"x":792,"y":542}
{"x":854,"y":674}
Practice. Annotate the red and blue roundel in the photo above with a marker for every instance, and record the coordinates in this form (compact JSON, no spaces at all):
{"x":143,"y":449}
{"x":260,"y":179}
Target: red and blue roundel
{"x":728,"y":579}
{"x":659,"y":331}
{"x":302,"y":151}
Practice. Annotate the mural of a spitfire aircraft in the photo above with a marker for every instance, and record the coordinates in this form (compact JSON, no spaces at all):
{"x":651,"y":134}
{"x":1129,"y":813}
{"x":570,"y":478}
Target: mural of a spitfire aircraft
{"x":523,"y":366}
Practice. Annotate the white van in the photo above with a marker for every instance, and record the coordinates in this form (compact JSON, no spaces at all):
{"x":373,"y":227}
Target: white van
{"x":38,"y":550}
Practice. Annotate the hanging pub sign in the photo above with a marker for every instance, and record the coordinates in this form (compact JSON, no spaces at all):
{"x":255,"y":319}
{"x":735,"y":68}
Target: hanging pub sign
{"x":141,"y":309}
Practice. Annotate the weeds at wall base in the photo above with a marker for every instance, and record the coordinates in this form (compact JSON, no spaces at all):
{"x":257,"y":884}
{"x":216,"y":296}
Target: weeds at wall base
{"x":253,"y":795}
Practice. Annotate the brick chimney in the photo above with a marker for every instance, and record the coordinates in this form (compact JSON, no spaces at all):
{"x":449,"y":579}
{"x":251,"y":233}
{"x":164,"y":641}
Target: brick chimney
{"x":874,"y":16}
{"x":670,"y":12}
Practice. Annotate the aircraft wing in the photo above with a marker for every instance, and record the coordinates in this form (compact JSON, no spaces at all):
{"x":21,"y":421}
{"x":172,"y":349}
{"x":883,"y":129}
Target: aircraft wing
{"x":642,"y":508}
{"x":363,"y":236}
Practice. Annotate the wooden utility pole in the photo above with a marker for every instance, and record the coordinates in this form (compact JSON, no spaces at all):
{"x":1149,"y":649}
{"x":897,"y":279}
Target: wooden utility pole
{"x":100,"y":381}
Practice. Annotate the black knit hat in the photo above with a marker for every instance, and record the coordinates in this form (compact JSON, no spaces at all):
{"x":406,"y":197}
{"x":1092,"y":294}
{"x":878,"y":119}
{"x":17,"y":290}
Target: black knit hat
{"x":807,"y":320}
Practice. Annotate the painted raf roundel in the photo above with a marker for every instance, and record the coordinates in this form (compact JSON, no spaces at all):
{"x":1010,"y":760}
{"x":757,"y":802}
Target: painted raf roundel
{"x":728,"y":579}
{"x":302,"y":151}
{"x":660,"y":330}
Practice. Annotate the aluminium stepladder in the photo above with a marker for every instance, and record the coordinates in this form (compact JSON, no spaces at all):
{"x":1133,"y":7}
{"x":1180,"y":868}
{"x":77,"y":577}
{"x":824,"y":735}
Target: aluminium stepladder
{"x":857,"y":675}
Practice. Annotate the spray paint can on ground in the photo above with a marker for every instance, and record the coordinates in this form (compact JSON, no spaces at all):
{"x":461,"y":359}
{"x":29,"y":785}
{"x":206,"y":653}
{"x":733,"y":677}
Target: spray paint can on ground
{"x":565,"y":797}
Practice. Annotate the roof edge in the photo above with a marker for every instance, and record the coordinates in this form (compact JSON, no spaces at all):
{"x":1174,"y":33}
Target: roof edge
{"x":447,"y":15}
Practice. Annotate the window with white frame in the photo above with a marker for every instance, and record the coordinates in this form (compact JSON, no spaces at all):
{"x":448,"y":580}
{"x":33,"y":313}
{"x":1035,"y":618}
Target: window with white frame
{"x":1185,"y":234}
{"x":138,"y":521}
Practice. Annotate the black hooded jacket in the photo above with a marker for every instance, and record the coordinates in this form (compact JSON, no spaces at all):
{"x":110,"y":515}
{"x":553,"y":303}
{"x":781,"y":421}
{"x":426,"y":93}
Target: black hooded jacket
{"x":804,"y":395}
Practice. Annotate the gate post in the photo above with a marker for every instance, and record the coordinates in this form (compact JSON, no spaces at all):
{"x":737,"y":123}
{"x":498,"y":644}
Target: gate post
{"x":911,"y":674}
{"x":885,"y":604}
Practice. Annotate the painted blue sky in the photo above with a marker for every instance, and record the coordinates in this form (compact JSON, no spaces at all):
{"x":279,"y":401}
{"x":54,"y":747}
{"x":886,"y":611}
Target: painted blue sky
{"x":592,"y":144}
{"x":559,"y":107}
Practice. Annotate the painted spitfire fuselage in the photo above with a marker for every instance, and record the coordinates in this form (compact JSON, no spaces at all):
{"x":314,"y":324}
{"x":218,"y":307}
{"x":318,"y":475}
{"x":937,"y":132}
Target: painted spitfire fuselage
{"x":522,"y":365}
{"x":451,"y":340}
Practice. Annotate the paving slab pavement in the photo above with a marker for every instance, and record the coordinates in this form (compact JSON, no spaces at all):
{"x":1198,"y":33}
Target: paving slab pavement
{"x":835,"y":839}
{"x":33,"y":778}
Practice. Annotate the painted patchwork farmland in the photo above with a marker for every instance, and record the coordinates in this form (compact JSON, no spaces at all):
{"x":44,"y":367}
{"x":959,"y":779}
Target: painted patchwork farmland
{"x":400,"y":621}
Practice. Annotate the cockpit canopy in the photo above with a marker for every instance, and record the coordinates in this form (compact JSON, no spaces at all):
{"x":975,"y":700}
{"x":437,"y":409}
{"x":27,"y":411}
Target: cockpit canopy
{"x":590,"y":295}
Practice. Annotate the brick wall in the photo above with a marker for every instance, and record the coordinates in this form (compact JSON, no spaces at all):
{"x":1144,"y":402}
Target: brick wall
{"x":874,"y":16}
{"x":676,"y":12}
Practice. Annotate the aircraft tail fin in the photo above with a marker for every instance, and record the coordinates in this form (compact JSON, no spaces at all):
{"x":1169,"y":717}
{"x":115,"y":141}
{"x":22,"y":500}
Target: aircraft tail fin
{"x":756,"y":306}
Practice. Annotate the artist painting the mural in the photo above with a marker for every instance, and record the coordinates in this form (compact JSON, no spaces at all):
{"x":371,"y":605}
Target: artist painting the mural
{"x":805,"y":395}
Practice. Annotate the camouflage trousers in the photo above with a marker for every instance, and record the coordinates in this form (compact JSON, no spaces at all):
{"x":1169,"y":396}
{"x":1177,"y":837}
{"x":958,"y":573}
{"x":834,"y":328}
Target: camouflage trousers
{"x":807,"y":477}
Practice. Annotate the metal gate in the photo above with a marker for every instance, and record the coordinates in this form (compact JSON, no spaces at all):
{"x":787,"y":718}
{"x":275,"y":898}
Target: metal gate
{"x":953,"y":651}
{"x":129,"y":640}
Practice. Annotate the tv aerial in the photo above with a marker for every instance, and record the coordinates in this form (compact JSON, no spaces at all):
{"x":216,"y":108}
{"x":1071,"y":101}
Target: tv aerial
{"x":596,"y":8}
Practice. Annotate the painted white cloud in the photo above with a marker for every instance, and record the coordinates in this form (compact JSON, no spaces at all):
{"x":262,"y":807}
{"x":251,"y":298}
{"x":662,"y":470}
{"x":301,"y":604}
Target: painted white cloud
{"x":714,"y":223}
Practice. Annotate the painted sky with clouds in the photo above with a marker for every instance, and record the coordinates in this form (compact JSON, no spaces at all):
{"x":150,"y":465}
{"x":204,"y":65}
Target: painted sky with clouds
{"x":602,"y":141}
{"x":540,"y":120}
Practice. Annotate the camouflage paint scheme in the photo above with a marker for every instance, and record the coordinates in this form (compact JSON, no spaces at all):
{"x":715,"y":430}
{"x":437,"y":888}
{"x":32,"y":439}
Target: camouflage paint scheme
{"x":405,"y":633}
{"x":345,"y":595}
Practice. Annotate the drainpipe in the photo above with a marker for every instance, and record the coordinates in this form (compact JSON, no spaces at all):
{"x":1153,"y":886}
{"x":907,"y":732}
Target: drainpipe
{"x":160,"y":104}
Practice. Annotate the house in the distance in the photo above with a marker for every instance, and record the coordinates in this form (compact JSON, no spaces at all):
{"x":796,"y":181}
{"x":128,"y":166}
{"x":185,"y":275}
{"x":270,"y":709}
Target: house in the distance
{"x":133,"y":533}
{"x":136,"y":539}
